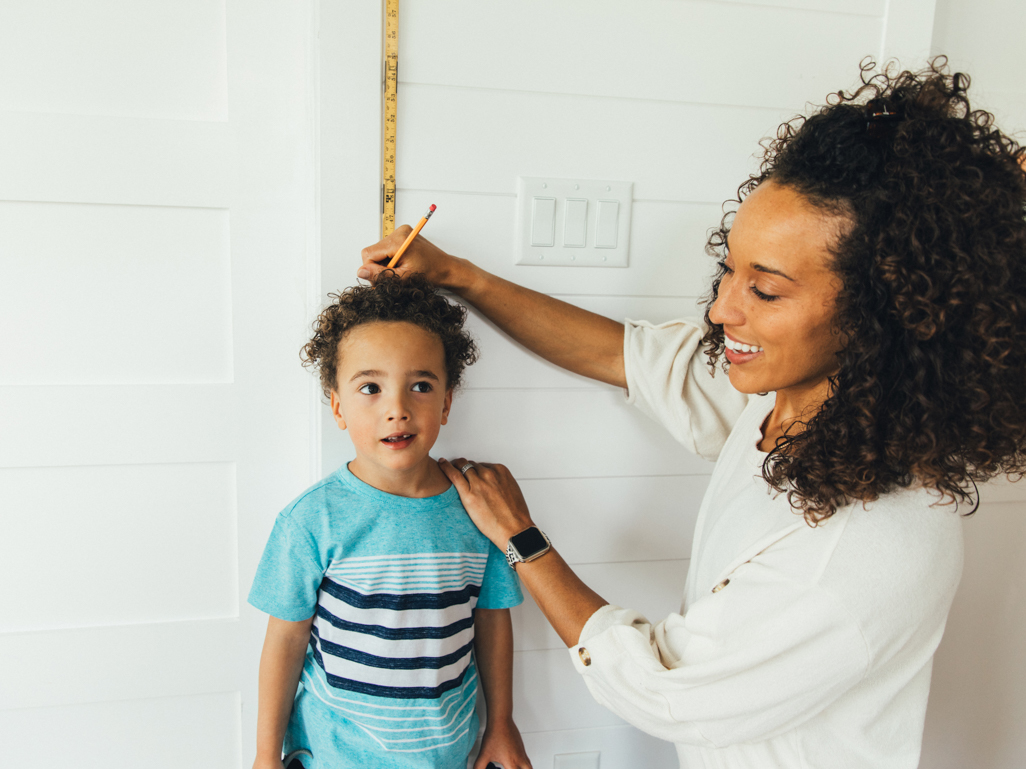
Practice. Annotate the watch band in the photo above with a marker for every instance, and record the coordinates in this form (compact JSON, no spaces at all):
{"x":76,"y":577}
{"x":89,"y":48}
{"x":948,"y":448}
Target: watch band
{"x":533,"y":540}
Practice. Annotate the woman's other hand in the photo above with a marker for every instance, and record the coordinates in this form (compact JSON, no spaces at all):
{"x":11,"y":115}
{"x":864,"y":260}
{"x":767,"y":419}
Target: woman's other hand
{"x":422,"y":257}
{"x":491,"y":497}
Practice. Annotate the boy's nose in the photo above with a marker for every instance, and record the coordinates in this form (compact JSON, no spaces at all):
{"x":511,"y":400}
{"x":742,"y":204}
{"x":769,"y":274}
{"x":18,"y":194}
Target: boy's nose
{"x":397,"y":410}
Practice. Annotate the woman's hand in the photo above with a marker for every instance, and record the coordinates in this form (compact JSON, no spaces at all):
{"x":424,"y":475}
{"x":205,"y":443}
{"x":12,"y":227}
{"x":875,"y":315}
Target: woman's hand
{"x":422,"y":257}
{"x":492,"y":499}
{"x":502,"y":745}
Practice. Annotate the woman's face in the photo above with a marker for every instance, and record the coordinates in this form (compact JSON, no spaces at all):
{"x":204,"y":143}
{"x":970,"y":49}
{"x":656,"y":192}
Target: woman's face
{"x":778,"y":296}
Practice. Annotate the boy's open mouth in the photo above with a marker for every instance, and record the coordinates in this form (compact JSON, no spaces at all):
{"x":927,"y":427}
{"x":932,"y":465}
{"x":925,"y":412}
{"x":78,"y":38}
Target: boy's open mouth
{"x":399,"y":440}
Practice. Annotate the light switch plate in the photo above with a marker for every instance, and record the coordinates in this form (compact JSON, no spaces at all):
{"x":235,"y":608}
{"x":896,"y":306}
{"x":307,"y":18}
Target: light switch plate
{"x":566,"y":249}
{"x":576,"y":761}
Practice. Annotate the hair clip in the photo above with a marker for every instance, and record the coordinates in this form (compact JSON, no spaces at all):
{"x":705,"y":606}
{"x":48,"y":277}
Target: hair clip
{"x":882,"y":117}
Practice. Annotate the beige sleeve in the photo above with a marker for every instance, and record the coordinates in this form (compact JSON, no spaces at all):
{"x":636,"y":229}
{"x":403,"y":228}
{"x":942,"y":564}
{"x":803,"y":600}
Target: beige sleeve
{"x":669,"y":379}
{"x":737,"y":668}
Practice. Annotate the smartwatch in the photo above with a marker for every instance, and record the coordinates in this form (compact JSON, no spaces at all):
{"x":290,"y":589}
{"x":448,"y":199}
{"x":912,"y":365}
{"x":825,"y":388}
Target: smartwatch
{"x":526,"y":546}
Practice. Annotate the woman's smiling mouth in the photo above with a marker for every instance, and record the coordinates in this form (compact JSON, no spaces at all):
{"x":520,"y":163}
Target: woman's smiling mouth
{"x":739,"y":352}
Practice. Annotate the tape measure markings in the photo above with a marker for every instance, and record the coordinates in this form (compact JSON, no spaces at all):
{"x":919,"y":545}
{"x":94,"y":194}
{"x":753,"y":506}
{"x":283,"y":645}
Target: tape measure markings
{"x":391,"y":86}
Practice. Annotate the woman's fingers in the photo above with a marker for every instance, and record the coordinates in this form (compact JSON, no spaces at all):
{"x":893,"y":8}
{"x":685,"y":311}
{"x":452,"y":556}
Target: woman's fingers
{"x":422,"y":257}
{"x":452,"y":472}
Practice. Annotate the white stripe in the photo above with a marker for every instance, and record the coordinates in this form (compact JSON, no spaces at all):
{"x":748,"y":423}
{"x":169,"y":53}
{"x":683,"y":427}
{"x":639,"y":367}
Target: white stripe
{"x":392,"y":618}
{"x":383,"y":647}
{"x":416,"y":557}
{"x":423,"y":677}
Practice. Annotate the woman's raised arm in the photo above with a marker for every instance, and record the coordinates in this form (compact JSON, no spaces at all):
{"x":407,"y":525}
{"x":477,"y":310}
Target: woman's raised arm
{"x":580,"y":341}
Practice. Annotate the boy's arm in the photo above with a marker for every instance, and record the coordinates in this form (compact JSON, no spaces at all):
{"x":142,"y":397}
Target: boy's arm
{"x":493,"y":646}
{"x":281,"y":664}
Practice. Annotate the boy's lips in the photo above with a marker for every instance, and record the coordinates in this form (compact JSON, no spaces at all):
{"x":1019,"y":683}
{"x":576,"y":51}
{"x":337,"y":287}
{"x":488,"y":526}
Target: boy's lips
{"x":398,"y":440}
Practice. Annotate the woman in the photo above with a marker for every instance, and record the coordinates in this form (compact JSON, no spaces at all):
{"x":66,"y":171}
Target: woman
{"x":869,"y":306}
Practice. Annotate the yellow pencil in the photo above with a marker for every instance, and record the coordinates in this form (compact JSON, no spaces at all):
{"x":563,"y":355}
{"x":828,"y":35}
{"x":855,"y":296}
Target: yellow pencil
{"x":420,"y":225}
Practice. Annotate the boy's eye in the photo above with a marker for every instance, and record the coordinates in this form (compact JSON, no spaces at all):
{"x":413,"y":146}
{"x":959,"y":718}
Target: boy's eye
{"x":370,"y":389}
{"x":422,"y":387}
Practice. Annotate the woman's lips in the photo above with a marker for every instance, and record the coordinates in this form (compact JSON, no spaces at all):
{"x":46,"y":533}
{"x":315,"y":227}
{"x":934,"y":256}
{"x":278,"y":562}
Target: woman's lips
{"x":740,"y":357}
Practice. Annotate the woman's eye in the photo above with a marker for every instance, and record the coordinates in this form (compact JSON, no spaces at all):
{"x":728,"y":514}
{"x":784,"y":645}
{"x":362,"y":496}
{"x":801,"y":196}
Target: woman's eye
{"x":726,"y":268}
{"x":764,"y":297}
{"x":370,"y":389}
{"x":422,"y":387}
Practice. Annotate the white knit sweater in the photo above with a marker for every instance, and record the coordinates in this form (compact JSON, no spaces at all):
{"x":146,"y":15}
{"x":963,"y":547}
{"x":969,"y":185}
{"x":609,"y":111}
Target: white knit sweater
{"x":795,"y":646}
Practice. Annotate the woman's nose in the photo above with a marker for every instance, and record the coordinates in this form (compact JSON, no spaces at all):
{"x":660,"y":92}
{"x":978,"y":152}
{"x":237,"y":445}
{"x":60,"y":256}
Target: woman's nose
{"x":726,"y":310}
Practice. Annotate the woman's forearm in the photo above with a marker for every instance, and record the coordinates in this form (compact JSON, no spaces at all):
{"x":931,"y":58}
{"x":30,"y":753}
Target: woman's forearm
{"x":570,"y":337}
{"x":281,"y":664}
{"x":563,"y":598}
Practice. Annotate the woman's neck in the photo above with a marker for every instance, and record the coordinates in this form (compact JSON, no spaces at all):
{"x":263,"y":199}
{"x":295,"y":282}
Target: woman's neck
{"x":793,"y":408}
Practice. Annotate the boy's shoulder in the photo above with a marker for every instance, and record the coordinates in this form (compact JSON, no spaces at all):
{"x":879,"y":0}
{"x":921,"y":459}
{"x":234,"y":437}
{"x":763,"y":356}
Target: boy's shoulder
{"x":329,"y":496}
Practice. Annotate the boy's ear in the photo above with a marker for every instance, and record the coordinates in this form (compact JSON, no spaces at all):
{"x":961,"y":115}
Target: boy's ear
{"x":446,"y":405}
{"x":336,"y":411}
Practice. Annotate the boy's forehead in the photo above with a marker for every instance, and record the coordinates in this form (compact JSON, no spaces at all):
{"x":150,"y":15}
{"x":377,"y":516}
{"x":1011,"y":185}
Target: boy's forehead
{"x":392,"y":344}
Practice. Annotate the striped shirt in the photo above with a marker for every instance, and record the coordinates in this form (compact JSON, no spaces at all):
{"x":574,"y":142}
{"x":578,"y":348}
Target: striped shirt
{"x":392,"y":583}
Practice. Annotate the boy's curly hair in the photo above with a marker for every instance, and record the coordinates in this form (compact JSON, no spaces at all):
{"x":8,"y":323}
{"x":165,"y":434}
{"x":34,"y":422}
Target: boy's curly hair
{"x":931,"y":385}
{"x":411,"y":299}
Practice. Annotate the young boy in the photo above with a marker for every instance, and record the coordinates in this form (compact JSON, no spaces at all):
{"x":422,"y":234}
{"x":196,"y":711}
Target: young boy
{"x":378,"y":585}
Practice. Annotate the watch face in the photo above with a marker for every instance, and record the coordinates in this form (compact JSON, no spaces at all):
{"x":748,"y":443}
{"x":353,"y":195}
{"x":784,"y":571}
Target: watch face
{"x":529,"y":542}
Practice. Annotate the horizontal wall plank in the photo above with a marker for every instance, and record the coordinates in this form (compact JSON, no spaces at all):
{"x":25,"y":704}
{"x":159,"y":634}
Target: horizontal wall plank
{"x":653,"y":588}
{"x":158,"y":733}
{"x":119,"y":57}
{"x":550,"y":695}
{"x":505,"y":364}
{"x":470,"y":140}
{"x":667,"y":254}
{"x":1001,"y":489}
{"x":90,"y":159}
{"x":69,"y":667}
{"x":660,"y":49}
{"x":161,"y":545}
{"x":619,"y":747}
{"x":603,"y":520}
{"x":114,"y":294}
{"x":551,"y":434}
{"x":92,"y":425}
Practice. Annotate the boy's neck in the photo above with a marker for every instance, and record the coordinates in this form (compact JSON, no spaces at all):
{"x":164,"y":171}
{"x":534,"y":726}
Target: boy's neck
{"x":425,"y":479}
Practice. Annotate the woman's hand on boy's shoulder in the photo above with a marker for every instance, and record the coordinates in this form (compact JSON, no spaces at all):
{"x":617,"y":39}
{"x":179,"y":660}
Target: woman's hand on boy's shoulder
{"x":268,"y":763}
{"x":502,"y":745}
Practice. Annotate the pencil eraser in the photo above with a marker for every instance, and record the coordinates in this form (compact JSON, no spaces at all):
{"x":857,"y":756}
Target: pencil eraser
{"x":432,"y":207}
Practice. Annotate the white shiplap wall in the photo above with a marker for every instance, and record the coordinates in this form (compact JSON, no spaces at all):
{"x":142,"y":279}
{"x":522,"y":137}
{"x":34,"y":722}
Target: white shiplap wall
{"x":978,"y":698}
{"x":673,"y":95}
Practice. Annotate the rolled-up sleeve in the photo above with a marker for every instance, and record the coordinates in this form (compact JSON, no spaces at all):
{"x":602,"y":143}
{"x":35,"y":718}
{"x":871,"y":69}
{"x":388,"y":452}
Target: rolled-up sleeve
{"x":747,"y":663}
{"x":668,"y":378}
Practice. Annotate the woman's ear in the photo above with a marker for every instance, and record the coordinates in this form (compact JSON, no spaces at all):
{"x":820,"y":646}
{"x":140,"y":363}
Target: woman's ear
{"x":336,"y":411}
{"x":446,"y":405}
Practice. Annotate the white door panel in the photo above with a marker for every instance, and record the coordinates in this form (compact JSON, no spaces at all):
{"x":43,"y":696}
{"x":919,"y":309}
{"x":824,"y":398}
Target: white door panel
{"x":156,"y":232}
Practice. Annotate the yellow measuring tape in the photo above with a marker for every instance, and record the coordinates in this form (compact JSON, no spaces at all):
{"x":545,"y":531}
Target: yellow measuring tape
{"x":388,"y":121}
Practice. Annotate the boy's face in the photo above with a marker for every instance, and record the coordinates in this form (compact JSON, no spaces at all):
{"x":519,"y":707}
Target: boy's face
{"x":392,"y":394}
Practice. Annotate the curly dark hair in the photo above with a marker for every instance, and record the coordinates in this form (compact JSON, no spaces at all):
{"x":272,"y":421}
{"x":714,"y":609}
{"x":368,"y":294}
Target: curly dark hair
{"x":411,"y":299}
{"x":931,"y":386}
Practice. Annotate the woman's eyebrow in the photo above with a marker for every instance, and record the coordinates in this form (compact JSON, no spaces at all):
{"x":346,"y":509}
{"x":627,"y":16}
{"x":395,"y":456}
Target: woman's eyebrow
{"x":771,"y":271}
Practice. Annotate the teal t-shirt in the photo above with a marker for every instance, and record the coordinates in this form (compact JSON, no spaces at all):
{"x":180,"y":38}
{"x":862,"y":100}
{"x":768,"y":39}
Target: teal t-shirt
{"x":392,"y":583}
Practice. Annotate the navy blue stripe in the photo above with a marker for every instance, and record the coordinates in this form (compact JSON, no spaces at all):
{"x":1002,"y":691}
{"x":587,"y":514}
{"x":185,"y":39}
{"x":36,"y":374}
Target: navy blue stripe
{"x":400,"y":602}
{"x":392,"y":663}
{"x":396,"y":633}
{"x":394,"y":692}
